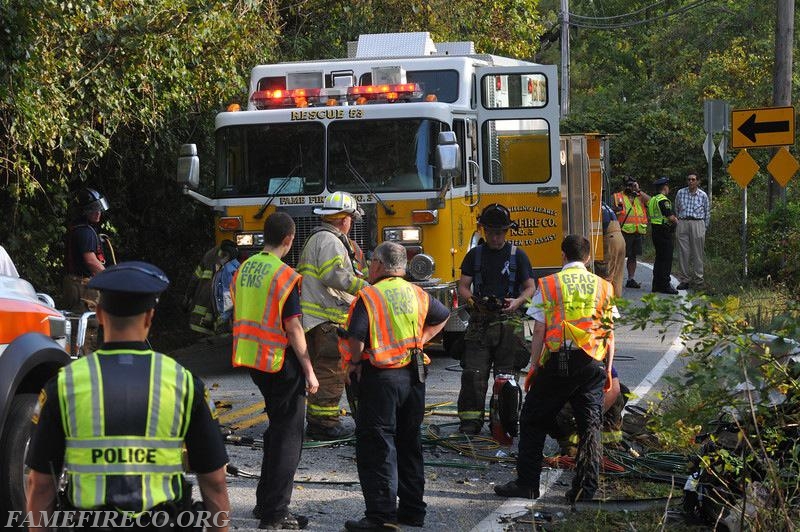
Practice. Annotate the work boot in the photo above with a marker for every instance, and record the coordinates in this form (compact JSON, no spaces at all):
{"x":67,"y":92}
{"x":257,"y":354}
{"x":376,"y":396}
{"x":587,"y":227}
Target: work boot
{"x":287,"y":522}
{"x":257,"y":512}
{"x":470,"y":427}
{"x":668,"y":290}
{"x":683,"y":286}
{"x":632,"y":283}
{"x":368,"y":525}
{"x":337,"y":432}
{"x":512,"y":489}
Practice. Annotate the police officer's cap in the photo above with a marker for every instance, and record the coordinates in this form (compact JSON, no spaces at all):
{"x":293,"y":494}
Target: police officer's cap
{"x":661,"y":181}
{"x":496,"y":216}
{"x":129,"y":288}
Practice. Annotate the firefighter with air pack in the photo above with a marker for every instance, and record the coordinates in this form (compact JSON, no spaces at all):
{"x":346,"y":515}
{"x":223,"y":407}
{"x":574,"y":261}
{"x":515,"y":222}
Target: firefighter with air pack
{"x":496,"y":280}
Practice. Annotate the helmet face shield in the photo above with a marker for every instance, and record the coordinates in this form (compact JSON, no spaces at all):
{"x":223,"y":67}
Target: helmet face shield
{"x":99,"y":205}
{"x":91,"y":200}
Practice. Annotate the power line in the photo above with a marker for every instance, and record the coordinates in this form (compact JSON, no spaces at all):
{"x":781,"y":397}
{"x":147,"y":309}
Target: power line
{"x":618,"y":16}
{"x":618,"y":25}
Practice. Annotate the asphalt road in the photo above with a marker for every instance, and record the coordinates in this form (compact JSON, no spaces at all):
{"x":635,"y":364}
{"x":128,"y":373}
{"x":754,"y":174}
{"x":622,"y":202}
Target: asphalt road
{"x":458,"y":487}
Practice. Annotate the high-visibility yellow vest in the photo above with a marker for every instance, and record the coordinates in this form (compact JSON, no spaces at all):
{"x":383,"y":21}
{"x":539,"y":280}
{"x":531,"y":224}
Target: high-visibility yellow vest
{"x":656,"y":216}
{"x":576,"y":302}
{"x":152,"y":461}
{"x":260,"y":288}
{"x":633,"y":218}
{"x":397,"y":310}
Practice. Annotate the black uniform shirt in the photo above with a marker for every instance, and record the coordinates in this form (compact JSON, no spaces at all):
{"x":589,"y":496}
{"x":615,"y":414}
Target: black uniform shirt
{"x":494,"y":270}
{"x":359,"y":322}
{"x":206,"y":450}
{"x":82,"y":238}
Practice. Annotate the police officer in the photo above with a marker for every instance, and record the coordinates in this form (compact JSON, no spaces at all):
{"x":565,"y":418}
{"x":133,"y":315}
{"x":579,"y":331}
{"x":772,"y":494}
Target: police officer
{"x":662,"y":222}
{"x":495,"y":280}
{"x":268,"y":338}
{"x":331,"y":265}
{"x":389,"y":322}
{"x":85,"y":256}
{"x":572,"y":313}
{"x":117,"y":419}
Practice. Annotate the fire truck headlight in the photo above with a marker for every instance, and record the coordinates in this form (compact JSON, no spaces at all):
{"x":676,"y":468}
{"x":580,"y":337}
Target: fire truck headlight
{"x":421,"y":267}
{"x":402,"y":235}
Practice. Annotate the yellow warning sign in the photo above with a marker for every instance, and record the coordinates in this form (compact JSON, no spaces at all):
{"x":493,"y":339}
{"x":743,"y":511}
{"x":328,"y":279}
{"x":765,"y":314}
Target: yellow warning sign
{"x":783,"y":166}
{"x":756,"y":128}
{"x":743,"y":168}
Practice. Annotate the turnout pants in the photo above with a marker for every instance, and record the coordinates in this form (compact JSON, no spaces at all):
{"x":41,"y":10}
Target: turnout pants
{"x":284,"y":396}
{"x":662,"y":265}
{"x":583,"y":389}
{"x":388,"y":444}
{"x":323,"y":406}
{"x":488,"y":343}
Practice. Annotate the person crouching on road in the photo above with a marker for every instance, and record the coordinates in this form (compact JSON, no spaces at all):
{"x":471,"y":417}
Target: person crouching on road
{"x":103,"y":409}
{"x":572,"y":311}
{"x":495,"y":280}
{"x":268,"y":338}
{"x":388,"y":324}
{"x":331,"y":265}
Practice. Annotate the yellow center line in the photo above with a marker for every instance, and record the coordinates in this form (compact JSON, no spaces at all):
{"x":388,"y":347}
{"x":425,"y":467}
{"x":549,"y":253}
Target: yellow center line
{"x":247,"y":423}
{"x":241,"y":412}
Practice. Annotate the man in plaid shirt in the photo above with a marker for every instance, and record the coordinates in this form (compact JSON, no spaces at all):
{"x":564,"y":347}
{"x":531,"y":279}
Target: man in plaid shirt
{"x":693,"y":211}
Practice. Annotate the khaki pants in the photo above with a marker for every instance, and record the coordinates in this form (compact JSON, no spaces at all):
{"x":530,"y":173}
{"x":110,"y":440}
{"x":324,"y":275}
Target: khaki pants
{"x":690,"y":236}
{"x":614,"y":256}
{"x":79,"y":298}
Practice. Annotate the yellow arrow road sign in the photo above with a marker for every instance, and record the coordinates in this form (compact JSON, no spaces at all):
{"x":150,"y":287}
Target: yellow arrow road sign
{"x":768,"y":126}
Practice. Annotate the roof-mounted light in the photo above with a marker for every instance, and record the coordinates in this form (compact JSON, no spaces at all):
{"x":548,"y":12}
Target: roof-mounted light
{"x":384,"y":93}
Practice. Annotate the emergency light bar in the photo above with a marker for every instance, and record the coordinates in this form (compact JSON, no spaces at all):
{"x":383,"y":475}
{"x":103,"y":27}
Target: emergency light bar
{"x":358,"y":95}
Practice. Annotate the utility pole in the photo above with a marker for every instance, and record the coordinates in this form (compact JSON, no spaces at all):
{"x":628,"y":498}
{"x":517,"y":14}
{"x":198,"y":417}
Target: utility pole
{"x":782,"y":80}
{"x":565,"y":57}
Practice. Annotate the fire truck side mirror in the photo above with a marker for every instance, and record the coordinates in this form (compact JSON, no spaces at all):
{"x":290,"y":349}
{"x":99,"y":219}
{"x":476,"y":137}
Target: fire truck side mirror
{"x":188,"y":167}
{"x":448,"y":156}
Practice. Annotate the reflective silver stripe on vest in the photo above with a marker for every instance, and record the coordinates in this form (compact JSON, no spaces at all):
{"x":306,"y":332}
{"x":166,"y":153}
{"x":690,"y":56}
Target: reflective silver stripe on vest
{"x":122,"y":469}
{"x":176,"y":413}
{"x":155,"y":396}
{"x":124,"y":442}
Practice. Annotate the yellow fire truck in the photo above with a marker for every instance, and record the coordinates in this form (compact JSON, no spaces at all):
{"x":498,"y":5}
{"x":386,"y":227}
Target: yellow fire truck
{"x":381,"y":124}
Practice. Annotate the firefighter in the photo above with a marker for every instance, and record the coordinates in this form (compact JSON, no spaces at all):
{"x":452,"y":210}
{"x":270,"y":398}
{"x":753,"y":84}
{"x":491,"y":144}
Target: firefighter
{"x":268,"y":338}
{"x":663,"y":222}
{"x":331,"y":265}
{"x":572,"y":313}
{"x":388,"y":324}
{"x":199,"y":297}
{"x":118,"y":419}
{"x":495,"y":280}
{"x":85,"y":256}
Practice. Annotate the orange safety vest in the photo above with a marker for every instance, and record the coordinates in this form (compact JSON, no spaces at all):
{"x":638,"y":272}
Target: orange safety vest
{"x":633,"y":217}
{"x":576,"y":303}
{"x":259,"y":289}
{"x":397,"y":310}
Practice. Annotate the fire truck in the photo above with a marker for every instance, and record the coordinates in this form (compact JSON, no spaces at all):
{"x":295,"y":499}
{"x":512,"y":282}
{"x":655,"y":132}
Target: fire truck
{"x":425,"y":135}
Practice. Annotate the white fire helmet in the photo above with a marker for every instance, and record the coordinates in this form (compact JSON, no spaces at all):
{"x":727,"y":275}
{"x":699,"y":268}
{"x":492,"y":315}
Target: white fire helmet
{"x":338,"y":202}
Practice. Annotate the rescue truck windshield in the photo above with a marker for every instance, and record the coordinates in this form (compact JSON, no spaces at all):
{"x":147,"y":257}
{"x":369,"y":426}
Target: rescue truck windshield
{"x":276,"y":159}
{"x":392,"y":155}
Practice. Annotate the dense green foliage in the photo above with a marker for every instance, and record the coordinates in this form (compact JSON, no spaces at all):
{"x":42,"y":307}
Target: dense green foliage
{"x":103,"y":93}
{"x":741,"y":389}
